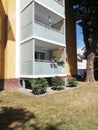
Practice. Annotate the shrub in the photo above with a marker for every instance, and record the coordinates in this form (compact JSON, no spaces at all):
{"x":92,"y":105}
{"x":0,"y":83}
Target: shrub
{"x":57,"y":83}
{"x":61,"y":87}
{"x":39,"y":85}
{"x":72,"y":82}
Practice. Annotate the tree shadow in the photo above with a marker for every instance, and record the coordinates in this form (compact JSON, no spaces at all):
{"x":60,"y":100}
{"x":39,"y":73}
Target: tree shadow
{"x":14,"y":118}
{"x":51,"y":127}
{"x":19,"y":118}
{"x":48,"y":127}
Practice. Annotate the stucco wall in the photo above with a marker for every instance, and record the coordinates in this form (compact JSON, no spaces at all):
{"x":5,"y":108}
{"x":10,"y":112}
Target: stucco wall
{"x":59,"y":54}
{"x":8,"y":38}
{"x":3,"y":35}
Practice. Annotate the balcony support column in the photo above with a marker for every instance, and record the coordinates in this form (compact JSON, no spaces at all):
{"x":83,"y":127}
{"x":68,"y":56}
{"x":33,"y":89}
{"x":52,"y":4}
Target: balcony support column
{"x":33,"y":60}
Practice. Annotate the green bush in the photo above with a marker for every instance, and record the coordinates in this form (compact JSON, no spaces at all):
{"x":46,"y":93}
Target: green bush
{"x":72,"y":82}
{"x":57,"y":83}
{"x":38,"y":85}
{"x":61,"y":87}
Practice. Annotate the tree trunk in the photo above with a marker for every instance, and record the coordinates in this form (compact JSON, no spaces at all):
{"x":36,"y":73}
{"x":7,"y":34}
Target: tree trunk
{"x":90,"y":67}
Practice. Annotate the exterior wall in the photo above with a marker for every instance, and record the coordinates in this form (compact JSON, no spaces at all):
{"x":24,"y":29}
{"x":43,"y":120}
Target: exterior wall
{"x":3,"y":36}
{"x":7,"y":42}
{"x":59,"y":53}
{"x":71,"y":53}
{"x":10,"y":49}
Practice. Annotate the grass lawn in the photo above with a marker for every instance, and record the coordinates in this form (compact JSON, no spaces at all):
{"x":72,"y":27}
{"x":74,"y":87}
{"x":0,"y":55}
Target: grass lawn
{"x":68,"y":110}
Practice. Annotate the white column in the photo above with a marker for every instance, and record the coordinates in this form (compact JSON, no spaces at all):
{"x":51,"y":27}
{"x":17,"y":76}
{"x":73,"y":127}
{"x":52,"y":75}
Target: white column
{"x":33,"y":60}
{"x":65,"y":58}
{"x":17,"y":38}
{"x":33,"y":19}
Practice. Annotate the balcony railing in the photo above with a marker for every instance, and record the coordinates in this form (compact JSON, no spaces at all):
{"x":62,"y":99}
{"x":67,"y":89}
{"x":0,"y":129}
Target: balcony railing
{"x":48,"y":33}
{"x":54,"y":5}
{"x":26,"y":68}
{"x":48,"y":68}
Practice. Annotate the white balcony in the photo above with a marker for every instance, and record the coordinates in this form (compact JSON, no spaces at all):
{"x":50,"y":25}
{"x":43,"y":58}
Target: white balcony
{"x":38,"y":24}
{"x":41,"y":62}
{"x":44,"y":32}
{"x":48,"y":33}
{"x":42,"y":68}
{"x":55,"y":5}
{"x":48,"y":68}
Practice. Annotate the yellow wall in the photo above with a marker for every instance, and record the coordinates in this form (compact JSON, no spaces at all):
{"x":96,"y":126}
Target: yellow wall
{"x":58,"y":53}
{"x":3,"y":35}
{"x":71,"y":53}
{"x":8,"y":36}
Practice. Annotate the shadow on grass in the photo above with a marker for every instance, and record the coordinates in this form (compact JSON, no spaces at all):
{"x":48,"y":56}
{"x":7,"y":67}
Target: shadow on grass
{"x":14,"y":118}
{"x":18,"y":119}
{"x":49,"y":127}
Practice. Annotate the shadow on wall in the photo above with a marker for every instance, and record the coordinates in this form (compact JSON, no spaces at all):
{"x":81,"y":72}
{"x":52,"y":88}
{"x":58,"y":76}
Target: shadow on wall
{"x":11,"y":36}
{"x":5,"y":27}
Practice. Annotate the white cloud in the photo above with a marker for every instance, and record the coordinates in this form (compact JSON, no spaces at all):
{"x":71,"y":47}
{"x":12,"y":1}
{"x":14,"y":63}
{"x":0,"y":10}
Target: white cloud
{"x":79,"y":50}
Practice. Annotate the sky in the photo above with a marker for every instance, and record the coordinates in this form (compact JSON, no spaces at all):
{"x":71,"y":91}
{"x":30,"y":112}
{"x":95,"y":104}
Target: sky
{"x":80,"y":43}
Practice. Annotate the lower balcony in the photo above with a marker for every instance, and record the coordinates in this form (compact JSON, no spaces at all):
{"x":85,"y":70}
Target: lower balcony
{"x":38,"y":58}
{"x":49,"y":68}
{"x":42,"y":67}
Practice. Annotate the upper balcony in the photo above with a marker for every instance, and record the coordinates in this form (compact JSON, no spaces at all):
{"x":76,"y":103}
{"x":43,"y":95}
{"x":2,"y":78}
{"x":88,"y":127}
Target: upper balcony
{"x":48,"y":33}
{"x":43,"y":24}
{"x":56,"y":5}
{"x":49,"y":25}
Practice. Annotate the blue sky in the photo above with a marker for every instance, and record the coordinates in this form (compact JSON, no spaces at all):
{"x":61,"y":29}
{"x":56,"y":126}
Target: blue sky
{"x":80,"y":43}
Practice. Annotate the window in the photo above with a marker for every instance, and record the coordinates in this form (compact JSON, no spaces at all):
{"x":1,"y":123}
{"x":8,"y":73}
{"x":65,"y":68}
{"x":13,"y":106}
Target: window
{"x":40,"y":55}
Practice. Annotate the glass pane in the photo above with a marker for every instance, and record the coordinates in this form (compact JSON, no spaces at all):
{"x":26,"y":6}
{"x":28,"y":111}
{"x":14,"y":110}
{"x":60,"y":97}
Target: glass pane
{"x":26,"y":32}
{"x":26,"y":68}
{"x":39,"y":55}
{"x":26,"y":16}
{"x":48,"y":33}
{"x":48,"y":68}
{"x":26,"y":51}
{"x":23,"y":3}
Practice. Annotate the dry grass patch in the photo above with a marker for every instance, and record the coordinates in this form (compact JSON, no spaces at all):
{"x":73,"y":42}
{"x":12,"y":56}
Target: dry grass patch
{"x":69,"y":110}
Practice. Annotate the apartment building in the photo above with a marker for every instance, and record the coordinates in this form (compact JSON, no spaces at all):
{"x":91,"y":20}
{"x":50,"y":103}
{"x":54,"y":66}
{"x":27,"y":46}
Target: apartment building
{"x":42,"y":38}
{"x":33,"y":39}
